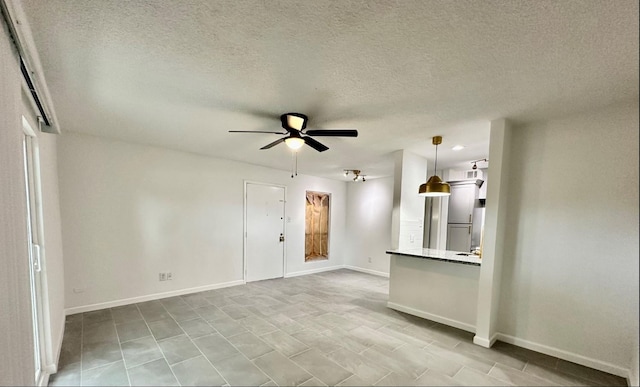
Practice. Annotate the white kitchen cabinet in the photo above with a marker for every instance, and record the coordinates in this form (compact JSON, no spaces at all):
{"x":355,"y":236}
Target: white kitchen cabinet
{"x":459,"y":237}
{"x":461,"y":202}
{"x":482,"y":193}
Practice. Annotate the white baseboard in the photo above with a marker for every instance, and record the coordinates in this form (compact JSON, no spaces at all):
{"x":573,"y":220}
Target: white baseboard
{"x":150,"y":297}
{"x":565,"y":355}
{"x":483,"y":342}
{"x":368,"y":271}
{"x":313,"y":271}
{"x":632,"y":378}
{"x":52,"y":367}
{"x":43,"y":380}
{"x":433,"y":317}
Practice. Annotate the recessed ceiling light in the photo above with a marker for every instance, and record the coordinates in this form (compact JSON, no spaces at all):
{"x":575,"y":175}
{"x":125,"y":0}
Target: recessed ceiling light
{"x":458,"y":147}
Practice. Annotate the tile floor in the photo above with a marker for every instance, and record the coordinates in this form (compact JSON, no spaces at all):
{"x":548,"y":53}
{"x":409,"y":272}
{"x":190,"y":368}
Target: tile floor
{"x":330,"y":328}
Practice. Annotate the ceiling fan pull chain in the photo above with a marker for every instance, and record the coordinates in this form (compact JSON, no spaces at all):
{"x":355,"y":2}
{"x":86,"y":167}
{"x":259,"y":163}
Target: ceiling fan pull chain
{"x":296,"y":162}
{"x":292,"y":156}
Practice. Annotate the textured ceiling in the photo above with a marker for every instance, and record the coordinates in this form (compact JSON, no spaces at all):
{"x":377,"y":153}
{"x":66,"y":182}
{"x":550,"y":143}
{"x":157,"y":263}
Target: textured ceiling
{"x":180,"y":74}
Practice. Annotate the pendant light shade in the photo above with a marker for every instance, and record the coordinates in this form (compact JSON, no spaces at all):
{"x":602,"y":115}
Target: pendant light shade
{"x":435,"y":186}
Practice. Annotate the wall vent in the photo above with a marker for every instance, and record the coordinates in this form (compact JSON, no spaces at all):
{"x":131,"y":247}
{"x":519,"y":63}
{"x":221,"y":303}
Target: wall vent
{"x":473,"y":174}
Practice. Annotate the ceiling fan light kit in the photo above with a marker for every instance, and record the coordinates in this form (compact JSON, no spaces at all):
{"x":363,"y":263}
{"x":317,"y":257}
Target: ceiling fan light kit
{"x":435,"y":186}
{"x":294,"y":142}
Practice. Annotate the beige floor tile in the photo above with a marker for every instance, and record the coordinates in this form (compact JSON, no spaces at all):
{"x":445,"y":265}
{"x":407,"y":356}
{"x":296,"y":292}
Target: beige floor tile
{"x":321,"y":367}
{"x":366,"y":370}
{"x":281,"y":370}
{"x":434,"y":378}
{"x":238,"y":371}
{"x":590,"y":374}
{"x":284,"y":343}
{"x":470,"y":377}
{"x":516,"y":377}
{"x":464,"y":358}
{"x":395,"y":379}
{"x":197,"y":372}
{"x":250,"y":345}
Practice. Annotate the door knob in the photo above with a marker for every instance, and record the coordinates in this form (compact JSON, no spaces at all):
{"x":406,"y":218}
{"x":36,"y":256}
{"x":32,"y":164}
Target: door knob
{"x":281,"y":237}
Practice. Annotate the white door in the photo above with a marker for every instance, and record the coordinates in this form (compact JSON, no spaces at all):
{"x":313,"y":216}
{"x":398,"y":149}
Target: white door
{"x":264,"y":254}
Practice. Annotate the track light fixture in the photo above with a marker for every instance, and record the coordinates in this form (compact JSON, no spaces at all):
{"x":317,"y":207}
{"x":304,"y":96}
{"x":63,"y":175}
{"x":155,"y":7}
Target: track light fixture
{"x":475,"y":166}
{"x":357,"y":174}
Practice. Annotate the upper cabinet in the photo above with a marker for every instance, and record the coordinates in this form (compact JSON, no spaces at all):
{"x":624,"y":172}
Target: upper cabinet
{"x":483,"y":188}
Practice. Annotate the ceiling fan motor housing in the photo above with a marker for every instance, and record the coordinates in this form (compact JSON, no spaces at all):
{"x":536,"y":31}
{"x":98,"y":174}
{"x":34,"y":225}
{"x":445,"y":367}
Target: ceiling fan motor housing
{"x":296,"y":121}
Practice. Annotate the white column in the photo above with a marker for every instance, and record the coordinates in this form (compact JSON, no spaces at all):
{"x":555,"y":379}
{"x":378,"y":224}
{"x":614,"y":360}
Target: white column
{"x":494,"y":230}
{"x":408,"y":207}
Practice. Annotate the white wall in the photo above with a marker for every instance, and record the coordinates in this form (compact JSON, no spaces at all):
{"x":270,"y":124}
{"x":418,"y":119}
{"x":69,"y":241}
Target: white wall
{"x":369,"y":207}
{"x":570,"y":274}
{"x":440,"y":291}
{"x":131,"y":211}
{"x":16,"y":342}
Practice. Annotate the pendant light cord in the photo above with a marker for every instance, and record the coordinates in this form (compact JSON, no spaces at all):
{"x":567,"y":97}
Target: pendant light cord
{"x":435,"y":165}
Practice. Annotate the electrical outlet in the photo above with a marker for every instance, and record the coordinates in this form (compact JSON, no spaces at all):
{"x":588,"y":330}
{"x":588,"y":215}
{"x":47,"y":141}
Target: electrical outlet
{"x":369,"y":259}
{"x":169,"y":276}
{"x":162,"y":277}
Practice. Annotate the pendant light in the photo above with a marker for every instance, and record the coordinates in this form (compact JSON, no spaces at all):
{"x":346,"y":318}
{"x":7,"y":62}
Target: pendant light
{"x":435,"y":186}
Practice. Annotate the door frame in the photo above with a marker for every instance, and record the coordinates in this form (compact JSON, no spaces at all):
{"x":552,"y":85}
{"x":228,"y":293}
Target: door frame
{"x":244,"y":227}
{"x":48,"y":359}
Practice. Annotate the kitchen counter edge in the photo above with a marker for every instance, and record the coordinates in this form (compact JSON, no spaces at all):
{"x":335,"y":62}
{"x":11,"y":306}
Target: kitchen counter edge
{"x":438,"y":255}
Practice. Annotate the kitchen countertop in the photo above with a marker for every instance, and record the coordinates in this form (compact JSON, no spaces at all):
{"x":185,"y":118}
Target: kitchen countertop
{"x":439,"y":255}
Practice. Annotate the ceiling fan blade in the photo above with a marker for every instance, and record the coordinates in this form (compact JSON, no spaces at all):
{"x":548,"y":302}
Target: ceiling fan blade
{"x":254,"y":131}
{"x":315,"y":144}
{"x":332,"y":132}
{"x":276,"y":142}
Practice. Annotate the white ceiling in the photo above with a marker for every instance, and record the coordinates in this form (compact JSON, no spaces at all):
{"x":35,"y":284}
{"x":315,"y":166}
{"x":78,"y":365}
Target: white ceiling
{"x":180,"y":74}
